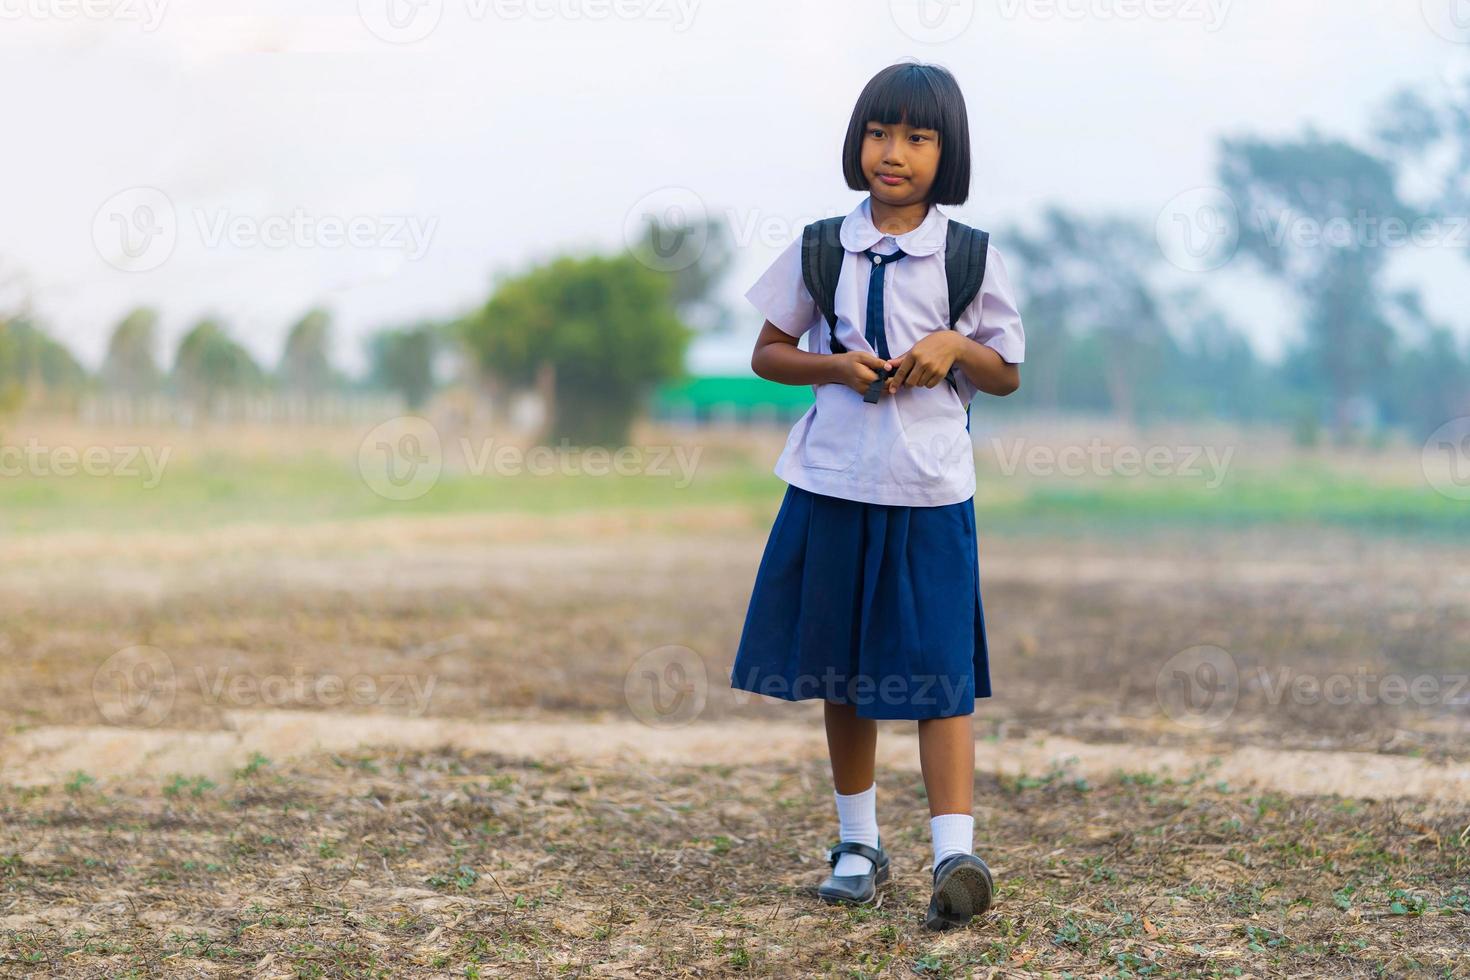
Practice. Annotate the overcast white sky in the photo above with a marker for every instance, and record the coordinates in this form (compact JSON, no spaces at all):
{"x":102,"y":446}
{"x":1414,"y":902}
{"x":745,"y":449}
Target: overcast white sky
{"x":473,"y":137}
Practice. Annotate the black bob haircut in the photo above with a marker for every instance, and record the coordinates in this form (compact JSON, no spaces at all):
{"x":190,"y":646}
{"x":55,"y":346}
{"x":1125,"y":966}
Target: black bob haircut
{"x":924,"y":97}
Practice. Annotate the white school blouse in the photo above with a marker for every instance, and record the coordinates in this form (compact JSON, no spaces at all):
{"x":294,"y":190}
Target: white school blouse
{"x":911,"y":447}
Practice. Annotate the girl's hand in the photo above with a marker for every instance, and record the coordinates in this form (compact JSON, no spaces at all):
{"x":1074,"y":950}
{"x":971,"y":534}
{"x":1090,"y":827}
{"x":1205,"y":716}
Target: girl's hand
{"x":927,"y":362}
{"x":857,"y":369}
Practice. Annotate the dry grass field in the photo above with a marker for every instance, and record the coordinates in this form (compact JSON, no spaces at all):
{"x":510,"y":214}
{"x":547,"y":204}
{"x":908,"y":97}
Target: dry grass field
{"x":406,"y":742}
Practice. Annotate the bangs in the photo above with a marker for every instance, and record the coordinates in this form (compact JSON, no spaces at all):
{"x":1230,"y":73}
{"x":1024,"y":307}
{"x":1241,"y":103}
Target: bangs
{"x":907,"y":97}
{"x":921,"y":97}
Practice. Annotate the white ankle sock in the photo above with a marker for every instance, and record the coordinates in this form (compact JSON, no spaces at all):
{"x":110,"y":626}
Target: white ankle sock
{"x":953,"y":833}
{"x":857,"y":819}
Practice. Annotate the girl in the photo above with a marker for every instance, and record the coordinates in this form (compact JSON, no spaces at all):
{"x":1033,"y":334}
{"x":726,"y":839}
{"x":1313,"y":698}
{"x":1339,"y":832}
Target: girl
{"x":867,"y":594}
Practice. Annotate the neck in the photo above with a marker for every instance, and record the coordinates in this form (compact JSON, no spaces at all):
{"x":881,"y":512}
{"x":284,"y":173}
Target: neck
{"x":897,"y":219}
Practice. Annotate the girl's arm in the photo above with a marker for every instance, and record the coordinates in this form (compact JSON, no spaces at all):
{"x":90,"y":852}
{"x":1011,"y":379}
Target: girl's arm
{"x":778,"y":358}
{"x":986,"y":369}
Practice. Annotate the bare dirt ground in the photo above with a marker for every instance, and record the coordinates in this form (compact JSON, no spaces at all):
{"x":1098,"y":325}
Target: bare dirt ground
{"x":419,"y":748}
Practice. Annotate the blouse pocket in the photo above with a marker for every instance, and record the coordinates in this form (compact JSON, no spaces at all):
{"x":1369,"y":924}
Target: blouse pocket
{"x":933,"y":441}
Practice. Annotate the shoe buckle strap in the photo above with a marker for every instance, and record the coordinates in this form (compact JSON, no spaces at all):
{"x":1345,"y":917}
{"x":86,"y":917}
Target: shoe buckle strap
{"x":853,"y":847}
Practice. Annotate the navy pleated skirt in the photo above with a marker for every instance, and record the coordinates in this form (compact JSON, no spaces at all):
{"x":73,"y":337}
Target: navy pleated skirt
{"x":873,"y":605}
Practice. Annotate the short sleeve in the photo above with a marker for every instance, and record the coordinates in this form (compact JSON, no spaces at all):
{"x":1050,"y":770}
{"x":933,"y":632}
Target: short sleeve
{"x":993,"y":318}
{"x":780,"y":294}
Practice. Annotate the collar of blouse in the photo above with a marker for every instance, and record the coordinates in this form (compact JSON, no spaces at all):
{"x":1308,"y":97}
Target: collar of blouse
{"x":860,"y":234}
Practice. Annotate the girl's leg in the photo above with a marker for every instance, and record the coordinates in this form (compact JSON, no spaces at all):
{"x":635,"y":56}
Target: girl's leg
{"x":947,"y":758}
{"x":852,"y":743}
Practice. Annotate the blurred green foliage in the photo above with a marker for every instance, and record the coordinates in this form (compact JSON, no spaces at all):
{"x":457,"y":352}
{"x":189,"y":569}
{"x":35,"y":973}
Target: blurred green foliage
{"x":599,"y":331}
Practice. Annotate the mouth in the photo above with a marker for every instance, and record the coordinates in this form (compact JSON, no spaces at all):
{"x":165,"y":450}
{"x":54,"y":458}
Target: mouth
{"x":892,"y":180}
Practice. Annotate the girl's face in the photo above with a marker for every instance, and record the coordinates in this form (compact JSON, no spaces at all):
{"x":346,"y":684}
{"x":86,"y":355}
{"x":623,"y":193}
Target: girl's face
{"x":899,"y":162}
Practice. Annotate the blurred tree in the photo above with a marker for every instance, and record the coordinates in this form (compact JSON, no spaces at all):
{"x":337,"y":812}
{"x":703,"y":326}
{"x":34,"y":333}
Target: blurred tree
{"x":603,"y":330}
{"x":697,"y":256}
{"x":12,"y":388}
{"x":1303,"y":205}
{"x":306,"y":367}
{"x":209,"y":363}
{"x":129,"y":367}
{"x":403,"y":361}
{"x":1210,"y":368}
{"x":41,"y":370}
{"x":1048,"y":307}
{"x":1088,"y":277}
{"x":1431,"y":378}
{"x":1428,"y":136}
{"x":1432,"y":135}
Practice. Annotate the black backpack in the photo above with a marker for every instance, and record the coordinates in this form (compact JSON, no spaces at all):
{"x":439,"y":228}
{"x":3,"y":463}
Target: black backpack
{"x":965,"y":249}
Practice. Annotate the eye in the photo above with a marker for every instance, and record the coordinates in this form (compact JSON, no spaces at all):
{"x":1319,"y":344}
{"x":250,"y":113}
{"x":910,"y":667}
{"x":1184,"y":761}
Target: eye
{"x":876,"y":133}
{"x":920,"y":137}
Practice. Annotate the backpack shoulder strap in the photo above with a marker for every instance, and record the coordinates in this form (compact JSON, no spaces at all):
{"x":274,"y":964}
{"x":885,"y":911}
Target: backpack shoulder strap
{"x":821,"y":264}
{"x":965,"y":250}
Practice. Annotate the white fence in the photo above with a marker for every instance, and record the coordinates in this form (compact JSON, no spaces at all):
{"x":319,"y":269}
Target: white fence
{"x":267,"y":409}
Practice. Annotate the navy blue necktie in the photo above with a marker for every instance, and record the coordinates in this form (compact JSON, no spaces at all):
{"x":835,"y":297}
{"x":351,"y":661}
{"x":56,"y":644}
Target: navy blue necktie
{"x":874,"y":328}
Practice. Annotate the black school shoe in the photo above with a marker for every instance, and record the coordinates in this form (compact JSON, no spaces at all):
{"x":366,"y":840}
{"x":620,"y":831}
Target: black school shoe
{"x":854,"y":889}
{"x":962,"y":889}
